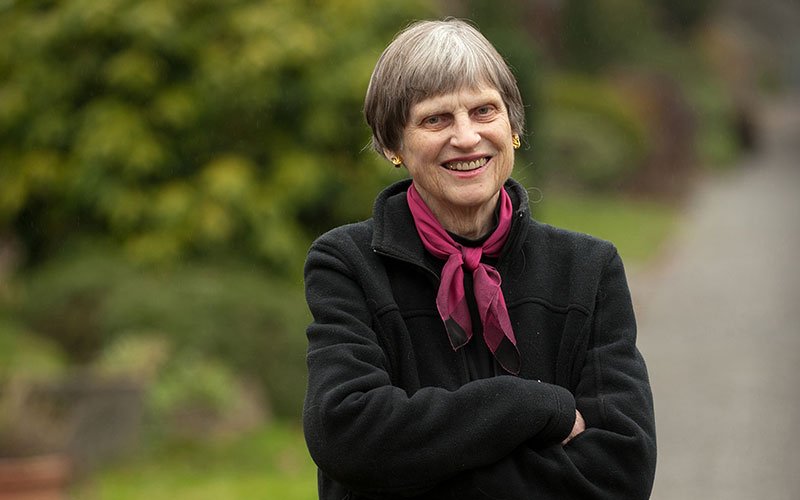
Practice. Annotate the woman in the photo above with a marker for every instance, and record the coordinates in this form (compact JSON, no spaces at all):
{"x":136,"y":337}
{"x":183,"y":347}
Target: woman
{"x":459,"y":348}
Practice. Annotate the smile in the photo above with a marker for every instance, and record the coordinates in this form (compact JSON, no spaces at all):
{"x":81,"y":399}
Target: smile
{"x":465,"y":166}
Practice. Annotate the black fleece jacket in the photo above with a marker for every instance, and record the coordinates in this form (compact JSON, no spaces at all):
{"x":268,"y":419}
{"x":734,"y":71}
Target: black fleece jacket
{"x":392,"y":411}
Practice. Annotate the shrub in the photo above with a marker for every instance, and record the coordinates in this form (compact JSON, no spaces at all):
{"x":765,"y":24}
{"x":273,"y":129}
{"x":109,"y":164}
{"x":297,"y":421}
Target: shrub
{"x":235,"y":313}
{"x":188,"y":127}
{"x":593,"y":137}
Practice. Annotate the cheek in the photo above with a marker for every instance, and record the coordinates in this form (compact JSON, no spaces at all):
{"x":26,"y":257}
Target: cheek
{"x":507,"y":157}
{"x":422,"y":150}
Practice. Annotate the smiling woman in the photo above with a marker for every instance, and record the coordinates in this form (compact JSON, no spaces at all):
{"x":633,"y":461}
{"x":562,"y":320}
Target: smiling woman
{"x":459,"y":348}
{"x":458,"y":148}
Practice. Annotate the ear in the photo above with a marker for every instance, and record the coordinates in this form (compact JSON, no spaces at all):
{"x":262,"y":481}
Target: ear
{"x":395,"y":158}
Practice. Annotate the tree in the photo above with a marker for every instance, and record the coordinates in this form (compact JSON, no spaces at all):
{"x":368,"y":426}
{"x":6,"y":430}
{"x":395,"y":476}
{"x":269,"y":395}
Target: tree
{"x":187,"y":127}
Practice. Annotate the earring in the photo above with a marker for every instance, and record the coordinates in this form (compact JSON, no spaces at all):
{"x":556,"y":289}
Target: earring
{"x":515,"y":141}
{"x":396,"y":161}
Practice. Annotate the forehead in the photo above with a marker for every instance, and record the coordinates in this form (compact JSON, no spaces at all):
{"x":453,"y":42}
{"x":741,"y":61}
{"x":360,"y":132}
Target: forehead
{"x":466,"y":97}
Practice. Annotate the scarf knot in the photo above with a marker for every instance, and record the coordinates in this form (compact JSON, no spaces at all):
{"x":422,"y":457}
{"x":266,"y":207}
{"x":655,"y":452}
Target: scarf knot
{"x":451,"y":299}
{"x":472,"y":257}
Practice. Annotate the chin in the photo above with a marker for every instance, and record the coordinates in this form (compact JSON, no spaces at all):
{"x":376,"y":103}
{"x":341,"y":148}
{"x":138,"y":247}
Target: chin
{"x":472,"y":200}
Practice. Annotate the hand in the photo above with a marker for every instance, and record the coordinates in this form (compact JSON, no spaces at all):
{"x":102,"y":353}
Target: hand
{"x":578,"y":427}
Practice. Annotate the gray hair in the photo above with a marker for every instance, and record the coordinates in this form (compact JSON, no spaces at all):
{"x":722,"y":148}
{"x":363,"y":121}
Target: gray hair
{"x":431,"y":58}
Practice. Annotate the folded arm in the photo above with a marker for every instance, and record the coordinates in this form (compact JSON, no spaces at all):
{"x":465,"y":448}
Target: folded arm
{"x":374,"y":437}
{"x":615,"y":456}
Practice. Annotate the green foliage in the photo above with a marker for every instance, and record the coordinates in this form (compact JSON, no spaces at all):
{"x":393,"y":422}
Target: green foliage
{"x":138,"y":354}
{"x":194,"y":382}
{"x":188,"y":127}
{"x":717,"y":141}
{"x":197,"y":398}
{"x":660,"y":40}
{"x":26,"y":356}
{"x":707,"y":93}
{"x":593,"y":138}
{"x":683,"y":16}
{"x":235,"y":313}
{"x":687,"y":63}
{"x":597,"y":35}
{"x":64,"y":303}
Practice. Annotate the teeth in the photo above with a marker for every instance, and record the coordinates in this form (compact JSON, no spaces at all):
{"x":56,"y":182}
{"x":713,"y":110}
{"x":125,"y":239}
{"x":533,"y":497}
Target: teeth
{"x":466,"y":165}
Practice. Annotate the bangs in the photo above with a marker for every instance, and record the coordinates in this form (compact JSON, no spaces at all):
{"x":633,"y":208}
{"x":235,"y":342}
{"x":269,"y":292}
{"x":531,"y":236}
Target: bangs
{"x":448,"y":63}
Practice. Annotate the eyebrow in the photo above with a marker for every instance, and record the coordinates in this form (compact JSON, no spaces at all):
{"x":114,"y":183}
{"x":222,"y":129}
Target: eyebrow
{"x":421,"y":110}
{"x":438,"y":108}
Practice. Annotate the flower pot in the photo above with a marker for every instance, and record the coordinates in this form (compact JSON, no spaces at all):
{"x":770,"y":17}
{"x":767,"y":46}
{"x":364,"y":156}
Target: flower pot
{"x":43,"y":477}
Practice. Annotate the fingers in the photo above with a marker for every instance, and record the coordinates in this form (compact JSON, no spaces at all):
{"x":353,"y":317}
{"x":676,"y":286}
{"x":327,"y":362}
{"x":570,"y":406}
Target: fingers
{"x":578,"y":427}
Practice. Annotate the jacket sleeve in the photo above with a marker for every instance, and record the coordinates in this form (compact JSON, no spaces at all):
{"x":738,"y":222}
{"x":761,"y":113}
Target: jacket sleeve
{"x":372,"y":436}
{"x":615,"y":457}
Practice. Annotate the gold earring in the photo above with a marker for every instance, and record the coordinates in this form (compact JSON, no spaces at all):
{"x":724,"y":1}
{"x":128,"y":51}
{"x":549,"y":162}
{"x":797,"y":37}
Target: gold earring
{"x":396,"y":161}
{"x":515,"y":141}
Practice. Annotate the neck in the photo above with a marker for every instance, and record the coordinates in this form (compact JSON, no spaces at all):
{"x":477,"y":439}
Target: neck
{"x":468,"y":222}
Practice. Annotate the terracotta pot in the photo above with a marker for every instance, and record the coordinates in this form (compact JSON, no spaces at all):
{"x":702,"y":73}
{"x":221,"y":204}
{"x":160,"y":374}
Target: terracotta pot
{"x":42,"y":477}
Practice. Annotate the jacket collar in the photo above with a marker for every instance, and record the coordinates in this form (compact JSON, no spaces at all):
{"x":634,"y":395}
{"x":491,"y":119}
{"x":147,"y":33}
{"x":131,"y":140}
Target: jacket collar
{"x":395,"y":235}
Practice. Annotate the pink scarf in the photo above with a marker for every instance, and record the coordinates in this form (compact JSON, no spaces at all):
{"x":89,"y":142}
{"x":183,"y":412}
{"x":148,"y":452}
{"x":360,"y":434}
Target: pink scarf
{"x":451,"y":300}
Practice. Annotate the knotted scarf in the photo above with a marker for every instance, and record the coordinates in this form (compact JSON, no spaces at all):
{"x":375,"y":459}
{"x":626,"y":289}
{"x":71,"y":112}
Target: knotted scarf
{"x":451,"y":298}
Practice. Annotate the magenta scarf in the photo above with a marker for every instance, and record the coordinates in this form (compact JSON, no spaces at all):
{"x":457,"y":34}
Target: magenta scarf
{"x":451,"y":300}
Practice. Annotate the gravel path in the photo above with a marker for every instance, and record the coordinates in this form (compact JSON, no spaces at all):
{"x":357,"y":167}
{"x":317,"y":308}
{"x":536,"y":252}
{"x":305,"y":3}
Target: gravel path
{"x":719,"y":326}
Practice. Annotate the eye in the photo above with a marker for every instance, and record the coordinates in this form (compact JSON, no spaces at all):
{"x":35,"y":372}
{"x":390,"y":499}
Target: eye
{"x":435,"y":122}
{"x":485,"y":110}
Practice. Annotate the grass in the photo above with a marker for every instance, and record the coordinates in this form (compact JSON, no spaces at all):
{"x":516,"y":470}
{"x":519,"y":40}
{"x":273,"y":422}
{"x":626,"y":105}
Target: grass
{"x":270,"y":463}
{"x":638,"y":228}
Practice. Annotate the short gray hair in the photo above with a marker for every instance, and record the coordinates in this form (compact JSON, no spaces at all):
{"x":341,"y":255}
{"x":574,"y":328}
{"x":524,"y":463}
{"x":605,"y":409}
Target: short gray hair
{"x":431,"y":58}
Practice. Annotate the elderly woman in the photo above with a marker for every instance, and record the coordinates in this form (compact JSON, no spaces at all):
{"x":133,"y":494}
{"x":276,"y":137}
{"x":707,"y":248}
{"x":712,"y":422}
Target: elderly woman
{"x":460,"y":349}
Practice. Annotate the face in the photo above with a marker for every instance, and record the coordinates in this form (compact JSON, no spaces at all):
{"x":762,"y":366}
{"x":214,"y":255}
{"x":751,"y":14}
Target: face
{"x":458,"y":150}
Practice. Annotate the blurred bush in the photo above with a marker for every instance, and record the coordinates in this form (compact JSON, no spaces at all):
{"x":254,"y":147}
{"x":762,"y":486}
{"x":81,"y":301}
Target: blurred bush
{"x":89,"y":299}
{"x":23,"y":354}
{"x":630,"y":99}
{"x":188,"y":127}
{"x":197,"y":397}
{"x":163,"y":168}
{"x":594,"y":137}
{"x":596,"y":35}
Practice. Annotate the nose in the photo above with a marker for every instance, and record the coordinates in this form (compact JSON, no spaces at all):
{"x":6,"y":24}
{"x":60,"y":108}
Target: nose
{"x":465,"y":133}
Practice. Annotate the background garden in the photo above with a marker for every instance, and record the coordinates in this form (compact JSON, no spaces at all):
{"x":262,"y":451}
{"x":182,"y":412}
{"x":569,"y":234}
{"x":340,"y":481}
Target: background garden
{"x":165,"y":164}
